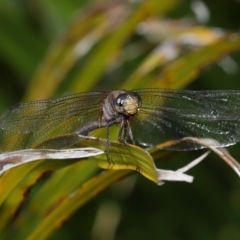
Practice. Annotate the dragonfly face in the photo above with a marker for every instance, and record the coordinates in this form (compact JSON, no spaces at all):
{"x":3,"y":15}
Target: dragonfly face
{"x":146,"y":116}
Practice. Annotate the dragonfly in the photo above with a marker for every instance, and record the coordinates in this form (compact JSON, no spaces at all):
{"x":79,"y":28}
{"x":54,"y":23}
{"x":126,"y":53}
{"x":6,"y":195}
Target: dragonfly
{"x":146,"y":117}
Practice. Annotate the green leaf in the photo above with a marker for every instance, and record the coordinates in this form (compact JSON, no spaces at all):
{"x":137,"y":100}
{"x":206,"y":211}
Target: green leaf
{"x":72,"y":202}
{"x":46,"y":205}
{"x":186,"y":69}
{"x":94,"y":30}
{"x":183,"y":70}
{"x":123,"y":156}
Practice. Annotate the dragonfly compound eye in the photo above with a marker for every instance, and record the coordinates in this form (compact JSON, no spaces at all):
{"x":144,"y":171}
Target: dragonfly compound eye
{"x":119,"y":105}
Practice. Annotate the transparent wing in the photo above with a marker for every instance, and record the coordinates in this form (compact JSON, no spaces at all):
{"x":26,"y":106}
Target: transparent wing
{"x":28,"y":124}
{"x":170,"y":115}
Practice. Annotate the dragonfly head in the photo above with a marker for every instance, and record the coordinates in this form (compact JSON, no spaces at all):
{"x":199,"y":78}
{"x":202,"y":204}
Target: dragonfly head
{"x":128,"y":103}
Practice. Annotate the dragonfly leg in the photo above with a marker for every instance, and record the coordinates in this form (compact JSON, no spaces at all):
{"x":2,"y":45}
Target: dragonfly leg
{"x":120,"y":133}
{"x":130,"y":132}
{"x":125,"y":131}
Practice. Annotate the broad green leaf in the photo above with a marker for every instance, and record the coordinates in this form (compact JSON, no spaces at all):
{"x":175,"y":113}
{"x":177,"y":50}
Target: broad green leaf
{"x":89,"y":25}
{"x":71,"y":203}
{"x":94,"y":27}
{"x":114,"y":41}
{"x":123,"y":156}
{"x":172,"y":37}
{"x":16,"y":182}
{"x":184,"y":70}
{"x":49,"y":200}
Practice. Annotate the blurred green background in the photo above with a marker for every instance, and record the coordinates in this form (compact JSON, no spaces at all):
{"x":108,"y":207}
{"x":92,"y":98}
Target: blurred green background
{"x":31,"y":34}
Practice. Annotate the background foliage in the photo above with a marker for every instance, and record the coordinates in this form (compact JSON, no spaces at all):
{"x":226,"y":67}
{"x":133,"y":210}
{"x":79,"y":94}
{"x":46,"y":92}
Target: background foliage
{"x":54,"y":48}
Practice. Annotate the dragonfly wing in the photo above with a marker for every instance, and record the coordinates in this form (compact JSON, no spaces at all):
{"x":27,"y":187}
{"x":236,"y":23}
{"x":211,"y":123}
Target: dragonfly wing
{"x":40,"y":115}
{"x":170,"y":115}
{"x":28,"y":124}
